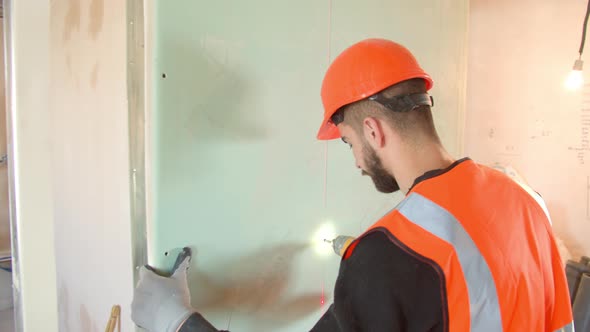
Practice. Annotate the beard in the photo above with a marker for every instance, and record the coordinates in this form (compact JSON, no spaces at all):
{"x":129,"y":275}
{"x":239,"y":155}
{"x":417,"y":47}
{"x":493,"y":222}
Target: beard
{"x":384,"y":182}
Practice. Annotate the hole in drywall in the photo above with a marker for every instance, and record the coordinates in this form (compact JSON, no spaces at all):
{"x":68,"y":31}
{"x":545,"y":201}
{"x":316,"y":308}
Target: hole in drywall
{"x":163,"y":75}
{"x":166,"y":253}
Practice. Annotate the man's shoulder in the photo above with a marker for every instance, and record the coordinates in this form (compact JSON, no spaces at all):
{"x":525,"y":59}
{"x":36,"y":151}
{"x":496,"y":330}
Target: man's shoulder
{"x":380,"y":249}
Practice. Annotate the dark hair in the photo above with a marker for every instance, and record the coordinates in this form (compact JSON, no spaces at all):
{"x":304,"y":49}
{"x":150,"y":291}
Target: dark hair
{"x":338,"y":117}
{"x":412,"y":125}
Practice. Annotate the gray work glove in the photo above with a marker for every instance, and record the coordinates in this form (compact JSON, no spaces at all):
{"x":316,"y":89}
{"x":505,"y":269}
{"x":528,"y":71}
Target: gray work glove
{"x":162,"y":304}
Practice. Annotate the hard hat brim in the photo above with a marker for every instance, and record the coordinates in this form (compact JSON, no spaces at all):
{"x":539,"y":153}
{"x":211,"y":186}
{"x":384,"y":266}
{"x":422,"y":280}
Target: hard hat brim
{"x":328,"y":131}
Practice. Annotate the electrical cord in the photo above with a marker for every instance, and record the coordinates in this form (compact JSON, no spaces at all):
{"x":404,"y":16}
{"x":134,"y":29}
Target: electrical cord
{"x":583,"y":42}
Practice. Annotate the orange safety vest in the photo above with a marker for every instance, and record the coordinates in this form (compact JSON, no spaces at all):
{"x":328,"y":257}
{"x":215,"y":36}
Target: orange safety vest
{"x":494,"y":244}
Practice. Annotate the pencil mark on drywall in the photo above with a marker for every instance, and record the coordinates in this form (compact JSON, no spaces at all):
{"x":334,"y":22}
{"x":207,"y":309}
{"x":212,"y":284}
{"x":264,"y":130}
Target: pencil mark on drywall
{"x":588,"y":197}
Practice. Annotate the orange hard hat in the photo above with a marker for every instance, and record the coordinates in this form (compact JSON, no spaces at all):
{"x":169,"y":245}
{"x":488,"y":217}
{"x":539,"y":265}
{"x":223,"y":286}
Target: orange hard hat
{"x":361,"y":71}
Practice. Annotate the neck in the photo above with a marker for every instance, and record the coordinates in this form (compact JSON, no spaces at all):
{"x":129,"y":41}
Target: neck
{"x":412,"y":162}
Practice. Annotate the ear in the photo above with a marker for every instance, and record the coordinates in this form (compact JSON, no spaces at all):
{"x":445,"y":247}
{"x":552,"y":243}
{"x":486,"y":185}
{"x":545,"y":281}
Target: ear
{"x":373,"y":131}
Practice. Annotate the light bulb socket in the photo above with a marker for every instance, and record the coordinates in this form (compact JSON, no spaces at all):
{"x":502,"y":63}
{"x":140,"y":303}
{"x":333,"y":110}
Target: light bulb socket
{"x":579,"y":65}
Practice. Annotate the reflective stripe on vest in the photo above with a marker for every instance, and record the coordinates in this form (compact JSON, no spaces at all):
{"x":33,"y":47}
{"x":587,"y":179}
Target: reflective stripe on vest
{"x":483,"y":298}
{"x":568,"y":328}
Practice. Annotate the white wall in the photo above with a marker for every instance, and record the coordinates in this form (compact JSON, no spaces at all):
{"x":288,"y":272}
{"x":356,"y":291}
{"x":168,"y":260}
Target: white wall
{"x":30,"y":163}
{"x":518,"y":111}
{"x":89,"y":131}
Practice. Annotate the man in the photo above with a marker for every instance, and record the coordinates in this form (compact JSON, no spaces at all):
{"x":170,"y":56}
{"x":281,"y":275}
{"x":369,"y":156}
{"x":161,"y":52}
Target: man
{"x":467,"y":249}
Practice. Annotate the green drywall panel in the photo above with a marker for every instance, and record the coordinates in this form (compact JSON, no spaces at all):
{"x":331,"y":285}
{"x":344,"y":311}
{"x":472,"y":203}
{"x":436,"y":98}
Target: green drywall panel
{"x":236,"y":171}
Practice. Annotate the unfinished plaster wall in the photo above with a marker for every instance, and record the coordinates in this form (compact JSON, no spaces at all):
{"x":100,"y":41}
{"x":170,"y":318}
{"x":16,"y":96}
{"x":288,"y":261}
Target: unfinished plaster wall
{"x":89,"y":130}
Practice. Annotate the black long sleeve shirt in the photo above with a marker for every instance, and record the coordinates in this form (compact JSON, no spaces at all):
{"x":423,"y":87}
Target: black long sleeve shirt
{"x":385,"y":286}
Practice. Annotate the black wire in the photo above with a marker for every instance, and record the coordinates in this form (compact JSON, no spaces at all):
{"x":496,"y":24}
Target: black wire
{"x":584,"y":30}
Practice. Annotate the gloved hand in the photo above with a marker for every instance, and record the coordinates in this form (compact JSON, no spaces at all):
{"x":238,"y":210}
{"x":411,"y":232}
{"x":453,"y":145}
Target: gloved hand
{"x":162,"y":304}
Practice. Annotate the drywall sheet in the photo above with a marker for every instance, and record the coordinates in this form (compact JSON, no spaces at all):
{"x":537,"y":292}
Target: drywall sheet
{"x":235,"y":170}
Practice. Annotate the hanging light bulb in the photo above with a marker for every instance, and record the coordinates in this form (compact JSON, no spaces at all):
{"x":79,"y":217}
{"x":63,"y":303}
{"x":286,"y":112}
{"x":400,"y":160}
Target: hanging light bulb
{"x":575,"y":80}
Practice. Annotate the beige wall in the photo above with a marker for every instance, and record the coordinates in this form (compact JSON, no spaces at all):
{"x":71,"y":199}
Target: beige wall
{"x":518,"y":111}
{"x":90,"y":159}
